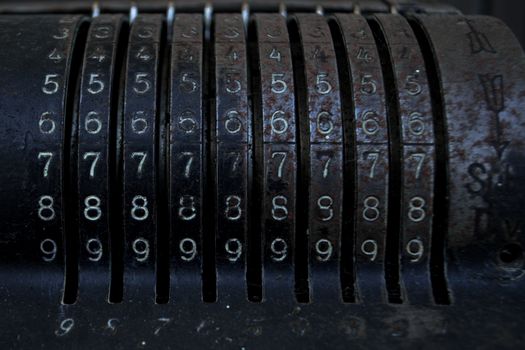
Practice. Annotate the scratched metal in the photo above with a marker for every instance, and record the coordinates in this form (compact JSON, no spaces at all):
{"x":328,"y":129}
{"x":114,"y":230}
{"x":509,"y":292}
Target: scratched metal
{"x":95,"y":158}
{"x":186,"y":157}
{"x":139,"y":207}
{"x":276,"y":138}
{"x":322,"y":147}
{"x":370,"y":154}
{"x":417,"y":157}
{"x":481,"y":76}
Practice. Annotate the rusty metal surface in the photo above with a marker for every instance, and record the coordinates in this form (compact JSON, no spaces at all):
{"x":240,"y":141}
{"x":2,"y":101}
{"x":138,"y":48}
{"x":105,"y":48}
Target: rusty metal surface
{"x":321,"y":140}
{"x":233,"y":125}
{"x":275,"y":147}
{"x":275,"y":179}
{"x":412,"y":142}
{"x":369,"y":154}
{"x":481,"y":79}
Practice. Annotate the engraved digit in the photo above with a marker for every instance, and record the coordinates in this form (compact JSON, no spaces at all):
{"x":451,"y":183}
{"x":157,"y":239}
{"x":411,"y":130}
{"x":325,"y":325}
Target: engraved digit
{"x":233,"y":122}
{"x":188,"y":84}
{"x":139,"y":211}
{"x":46,"y":212}
{"x":92,"y":210}
{"x":142,"y":84}
{"x":322,"y":86}
{"x":163,"y":323}
{"x":65,"y":327}
{"x":411,"y":84}
{"x":233,"y":209}
{"x":325,"y":204}
{"x":96,"y":156}
{"x":416,"y":209}
{"x":92,"y":124}
{"x":63,"y":34}
{"x":326,"y":167}
{"x":236,"y":160}
{"x":368,"y":84}
{"x":279,"y":249}
{"x":416,"y":126}
{"x":275,"y":55}
{"x":140,"y":247}
{"x":46,"y":124}
{"x":187,"y":210}
{"x":188,"y":247}
{"x":370,"y":123}
{"x":233,"y":85}
{"x":415,"y":249}
{"x":233,"y":247}
{"x":278,"y":123}
{"x":96,"y":85}
{"x":187,"y":122}
{"x":369,"y":248}
{"x":279,"y":86}
{"x":324,"y":123}
{"x":281,"y":163}
{"x":374,"y":157}
{"x":279,"y":209}
{"x":94,"y":248}
{"x":139,"y":124}
{"x":370,"y":211}
{"x":142,"y":158}
{"x":48,"y":247}
{"x":51,"y":85}
{"x":324,"y":249}
{"x":187,"y":168}
{"x":420,"y":158}
{"x":49,"y":156}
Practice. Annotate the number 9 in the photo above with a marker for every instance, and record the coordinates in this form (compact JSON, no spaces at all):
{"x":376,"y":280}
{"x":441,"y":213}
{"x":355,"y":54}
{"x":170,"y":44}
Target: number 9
{"x":141,"y":248}
{"x":279,"y":249}
{"x":49,"y":249}
{"x":94,"y":248}
{"x":324,"y":249}
{"x":188,"y":247}
{"x":233,"y":247}
{"x":415,"y":249}
{"x":369,"y":248}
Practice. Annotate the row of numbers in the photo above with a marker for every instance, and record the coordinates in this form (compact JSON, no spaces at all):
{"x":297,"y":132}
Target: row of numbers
{"x":371,"y":156}
{"x":94,"y":149}
{"x":139,"y":157}
{"x":187,"y":161}
{"x":275,"y":149}
{"x":232,"y":129}
{"x":324,"y":136}
{"x":417,"y":157}
{"x":47,"y":173}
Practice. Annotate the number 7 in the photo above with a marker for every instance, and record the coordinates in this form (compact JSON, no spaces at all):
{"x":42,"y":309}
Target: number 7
{"x":142,"y":156}
{"x":94,"y":163}
{"x":420,"y":158}
{"x":374,"y":156}
{"x":48,"y":155}
{"x":281,"y":163}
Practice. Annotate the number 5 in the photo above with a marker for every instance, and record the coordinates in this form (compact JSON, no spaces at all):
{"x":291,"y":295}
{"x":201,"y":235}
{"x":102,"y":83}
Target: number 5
{"x":51,"y":84}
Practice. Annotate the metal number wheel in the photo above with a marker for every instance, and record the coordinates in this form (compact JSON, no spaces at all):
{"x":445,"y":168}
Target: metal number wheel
{"x":313,"y":173}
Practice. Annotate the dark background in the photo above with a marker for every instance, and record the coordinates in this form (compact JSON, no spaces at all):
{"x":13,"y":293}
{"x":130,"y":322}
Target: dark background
{"x":511,"y":12}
